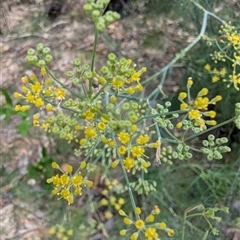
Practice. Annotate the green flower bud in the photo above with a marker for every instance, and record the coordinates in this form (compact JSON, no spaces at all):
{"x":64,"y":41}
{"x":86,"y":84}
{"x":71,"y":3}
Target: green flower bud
{"x":109,"y":19}
{"x":32,"y":59}
{"x":100,"y":26}
{"x":48,"y":58}
{"x":113,"y":124}
{"x":133,"y":119}
{"x":205,"y":150}
{"x":210,"y":156}
{"x":86,"y":67}
{"x":174,"y":154}
{"x":205,"y":143}
{"x":175,"y":115}
{"x":123,"y":61}
{"x":40,"y":47}
{"x":116,"y":15}
{"x":104,"y":70}
{"x":211,"y":137}
{"x":168,"y":104}
{"x":31,"y":51}
{"x":76,"y":81}
{"x":76,"y":62}
{"x":87,"y":8}
{"x":126,"y":106}
{"x":111,"y":57}
{"x":224,"y":140}
{"x":95,"y":14}
{"x":41,"y":63}
{"x":88,"y":74}
{"x":69,"y":74}
{"x":134,"y":105}
{"x":46,"y":50}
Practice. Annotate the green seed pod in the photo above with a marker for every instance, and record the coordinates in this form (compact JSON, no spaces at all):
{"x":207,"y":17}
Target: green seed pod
{"x":205,"y":143}
{"x":224,"y":140}
{"x":175,"y":115}
{"x":95,"y":14}
{"x":76,"y":81}
{"x":32,"y":59}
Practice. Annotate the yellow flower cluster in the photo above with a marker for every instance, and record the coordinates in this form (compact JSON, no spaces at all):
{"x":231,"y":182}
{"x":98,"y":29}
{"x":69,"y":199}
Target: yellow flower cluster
{"x":229,"y":54}
{"x":121,"y":75}
{"x":36,"y":93}
{"x":60,"y":232}
{"x":198,"y":108}
{"x":131,"y":147}
{"x":67,"y":184}
{"x":109,"y":200}
{"x":147,"y":227}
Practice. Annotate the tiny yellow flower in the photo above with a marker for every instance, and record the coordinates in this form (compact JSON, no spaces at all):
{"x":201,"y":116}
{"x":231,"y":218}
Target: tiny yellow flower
{"x":139,"y":224}
{"x":128,"y":163}
{"x":182,"y":95}
{"x":189,"y":82}
{"x":127,"y":220}
{"x":194,"y":114}
{"x":162,"y":225}
{"x":123,"y":232}
{"x":138,"y":210}
{"x":122,"y":150}
{"x":124,"y":137}
{"x":137,"y":151}
{"x":60,"y":93}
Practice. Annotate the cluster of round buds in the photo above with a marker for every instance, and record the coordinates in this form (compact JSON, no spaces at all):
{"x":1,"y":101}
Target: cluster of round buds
{"x":213,"y":148}
{"x":41,"y":57}
{"x":95,"y":10}
{"x":237,"y":115}
{"x":147,"y":228}
{"x":182,"y":152}
{"x":166,"y":154}
{"x":162,"y":112}
{"x":218,"y":56}
{"x":143,"y":186}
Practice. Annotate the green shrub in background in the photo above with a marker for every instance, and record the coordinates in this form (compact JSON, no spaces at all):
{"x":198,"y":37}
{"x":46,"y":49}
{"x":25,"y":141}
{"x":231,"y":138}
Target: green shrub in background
{"x":112,"y":124}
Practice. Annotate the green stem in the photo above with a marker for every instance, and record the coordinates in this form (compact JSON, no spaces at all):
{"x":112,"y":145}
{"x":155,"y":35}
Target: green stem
{"x":93,"y":58}
{"x":209,"y":129}
{"x":129,"y":188}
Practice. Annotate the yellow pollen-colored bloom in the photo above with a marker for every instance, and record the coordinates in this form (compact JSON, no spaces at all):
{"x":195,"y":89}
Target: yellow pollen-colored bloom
{"x":138,"y":210}
{"x":183,"y":106}
{"x":179,"y":125}
{"x":182,"y":95}
{"x":201,"y":103}
{"x":189,"y":82}
{"x":77,"y":180}
{"x":151,"y":233}
{"x":162,"y":225}
{"x":24,"y":79}
{"x":150,"y":218}
{"x":207,"y":67}
{"x":90,"y":132}
{"x":139,"y":224}
{"x":123,"y":232}
{"x":117,"y":83}
{"x":142,"y":139}
{"x":60,"y":93}
{"x":127,"y":220}
{"x":194,"y":114}
{"x":122,"y":150}
{"x":137,"y":151}
{"x":215,"y":78}
{"x":124,"y":137}
{"x":203,"y":92}
{"x":128,"y":163}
